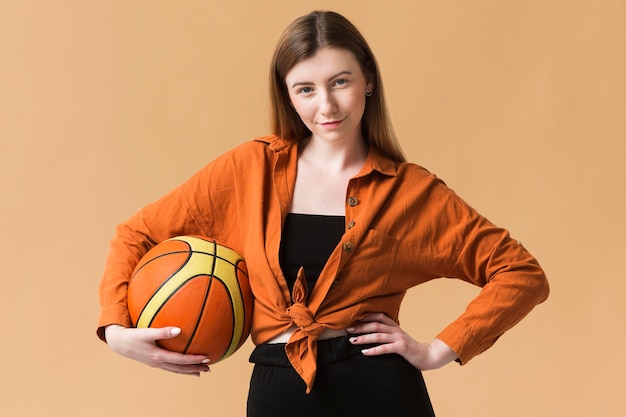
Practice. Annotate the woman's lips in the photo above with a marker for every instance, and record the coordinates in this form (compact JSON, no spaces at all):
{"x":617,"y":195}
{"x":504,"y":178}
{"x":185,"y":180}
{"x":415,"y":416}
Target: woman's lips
{"x":332,"y":124}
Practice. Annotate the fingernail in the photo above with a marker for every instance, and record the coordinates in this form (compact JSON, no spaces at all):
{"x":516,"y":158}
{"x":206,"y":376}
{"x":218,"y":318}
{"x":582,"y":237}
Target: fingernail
{"x":206,"y":361}
{"x":351,"y":329}
{"x":352,"y":339}
{"x":364,"y":351}
{"x":175,"y":331}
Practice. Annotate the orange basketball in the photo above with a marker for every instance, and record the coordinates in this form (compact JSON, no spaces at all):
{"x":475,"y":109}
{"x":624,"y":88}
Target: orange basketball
{"x":199,"y":286}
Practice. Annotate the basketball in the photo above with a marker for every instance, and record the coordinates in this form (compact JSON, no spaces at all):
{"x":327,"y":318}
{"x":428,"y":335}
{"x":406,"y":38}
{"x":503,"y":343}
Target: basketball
{"x":198,"y":285}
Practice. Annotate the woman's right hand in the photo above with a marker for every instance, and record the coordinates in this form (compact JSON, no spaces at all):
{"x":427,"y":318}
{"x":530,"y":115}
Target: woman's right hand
{"x":140,"y":345}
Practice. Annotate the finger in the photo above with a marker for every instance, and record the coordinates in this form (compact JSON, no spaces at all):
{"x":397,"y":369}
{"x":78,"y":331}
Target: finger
{"x":154,"y":334}
{"x":181,"y":359}
{"x":378,"y":350}
{"x":185,"y":363}
{"x":196,"y":370}
{"x":376,"y":322}
{"x":158,"y":333}
{"x":373,"y":338}
{"x":378,"y":317}
{"x":372,"y":327}
{"x":156,"y":356}
{"x":178,"y":362}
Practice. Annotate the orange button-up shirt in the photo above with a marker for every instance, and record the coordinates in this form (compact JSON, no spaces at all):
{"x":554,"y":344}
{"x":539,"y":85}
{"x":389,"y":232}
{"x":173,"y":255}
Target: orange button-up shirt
{"x":404,"y":227}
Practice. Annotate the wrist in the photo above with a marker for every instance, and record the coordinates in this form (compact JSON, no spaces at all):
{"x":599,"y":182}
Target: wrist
{"x":439,"y":354}
{"x":111,"y":330}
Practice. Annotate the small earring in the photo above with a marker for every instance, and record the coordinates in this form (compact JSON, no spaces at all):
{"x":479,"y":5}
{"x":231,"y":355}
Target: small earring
{"x":369,"y":93}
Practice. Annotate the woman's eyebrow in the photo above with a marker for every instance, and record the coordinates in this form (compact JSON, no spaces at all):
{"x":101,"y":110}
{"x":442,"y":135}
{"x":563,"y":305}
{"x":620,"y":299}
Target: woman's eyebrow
{"x":340,"y":73}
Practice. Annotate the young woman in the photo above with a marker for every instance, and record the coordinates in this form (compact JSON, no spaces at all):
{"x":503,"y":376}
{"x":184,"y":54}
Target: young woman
{"x":335,"y":227}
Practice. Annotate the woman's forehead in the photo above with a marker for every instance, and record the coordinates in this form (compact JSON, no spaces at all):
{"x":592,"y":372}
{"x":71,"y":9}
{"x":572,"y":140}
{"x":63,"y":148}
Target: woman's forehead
{"x":324,"y":64}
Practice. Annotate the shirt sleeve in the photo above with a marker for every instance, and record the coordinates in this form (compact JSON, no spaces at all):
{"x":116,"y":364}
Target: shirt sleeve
{"x":207,"y":204}
{"x":177,"y":213}
{"x":512,"y":282}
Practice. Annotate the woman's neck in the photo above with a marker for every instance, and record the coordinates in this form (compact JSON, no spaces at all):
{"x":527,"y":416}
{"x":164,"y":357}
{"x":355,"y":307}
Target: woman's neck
{"x":333,"y":158}
{"x":323,"y":173}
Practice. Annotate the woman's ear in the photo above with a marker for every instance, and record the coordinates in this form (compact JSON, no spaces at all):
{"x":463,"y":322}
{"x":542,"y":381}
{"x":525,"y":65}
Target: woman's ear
{"x":369,"y":78}
{"x":369,"y":88}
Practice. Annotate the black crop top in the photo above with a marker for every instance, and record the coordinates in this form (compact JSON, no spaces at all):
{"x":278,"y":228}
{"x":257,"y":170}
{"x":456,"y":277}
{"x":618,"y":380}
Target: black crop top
{"x":307,"y":241}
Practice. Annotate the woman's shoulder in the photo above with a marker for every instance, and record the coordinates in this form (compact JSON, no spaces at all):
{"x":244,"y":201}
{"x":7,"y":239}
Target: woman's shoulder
{"x":411,"y":168}
{"x":412,"y":172}
{"x":413,"y":177}
{"x":253,"y":158}
{"x":250,"y":153}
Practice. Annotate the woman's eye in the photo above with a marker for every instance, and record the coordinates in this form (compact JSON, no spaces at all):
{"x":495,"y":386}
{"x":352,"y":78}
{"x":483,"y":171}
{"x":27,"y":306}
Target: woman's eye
{"x":341,"y":81}
{"x":305,"y":90}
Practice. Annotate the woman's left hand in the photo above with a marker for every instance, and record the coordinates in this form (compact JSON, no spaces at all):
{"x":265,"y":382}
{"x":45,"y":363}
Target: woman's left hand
{"x":380,"y":329}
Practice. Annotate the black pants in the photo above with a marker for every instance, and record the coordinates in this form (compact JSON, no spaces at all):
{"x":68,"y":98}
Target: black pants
{"x":348,"y":383}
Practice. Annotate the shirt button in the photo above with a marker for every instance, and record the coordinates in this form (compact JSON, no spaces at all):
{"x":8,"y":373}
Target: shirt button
{"x":352,"y":201}
{"x":348,"y":246}
{"x":351,"y":224}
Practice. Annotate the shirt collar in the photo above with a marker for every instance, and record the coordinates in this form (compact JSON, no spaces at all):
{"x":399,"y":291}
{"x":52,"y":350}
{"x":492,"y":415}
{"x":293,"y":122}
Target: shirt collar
{"x":275,"y":143}
{"x":376,"y":161}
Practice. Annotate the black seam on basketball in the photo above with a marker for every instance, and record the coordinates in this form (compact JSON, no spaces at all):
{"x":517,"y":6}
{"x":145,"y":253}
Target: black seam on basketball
{"x":155,"y":258}
{"x":189,"y":249}
{"x":206,"y":296}
{"x":245,"y":313}
{"x":232,"y":310}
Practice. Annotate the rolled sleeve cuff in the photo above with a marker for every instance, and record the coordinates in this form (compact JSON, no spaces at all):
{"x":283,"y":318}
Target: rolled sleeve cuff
{"x":462,"y":341}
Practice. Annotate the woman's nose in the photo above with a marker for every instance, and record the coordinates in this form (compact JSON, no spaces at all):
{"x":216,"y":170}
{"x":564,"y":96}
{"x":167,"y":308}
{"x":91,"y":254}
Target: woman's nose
{"x":328,"y":105}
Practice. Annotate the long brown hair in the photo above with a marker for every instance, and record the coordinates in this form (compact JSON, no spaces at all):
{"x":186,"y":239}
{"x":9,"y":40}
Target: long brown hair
{"x":301,"y":40}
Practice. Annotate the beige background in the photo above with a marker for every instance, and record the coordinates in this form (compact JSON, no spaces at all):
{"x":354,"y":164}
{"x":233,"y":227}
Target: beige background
{"x":106,"y":105}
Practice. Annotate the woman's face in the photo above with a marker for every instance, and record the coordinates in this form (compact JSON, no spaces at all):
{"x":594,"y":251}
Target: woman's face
{"x":327,"y":91}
